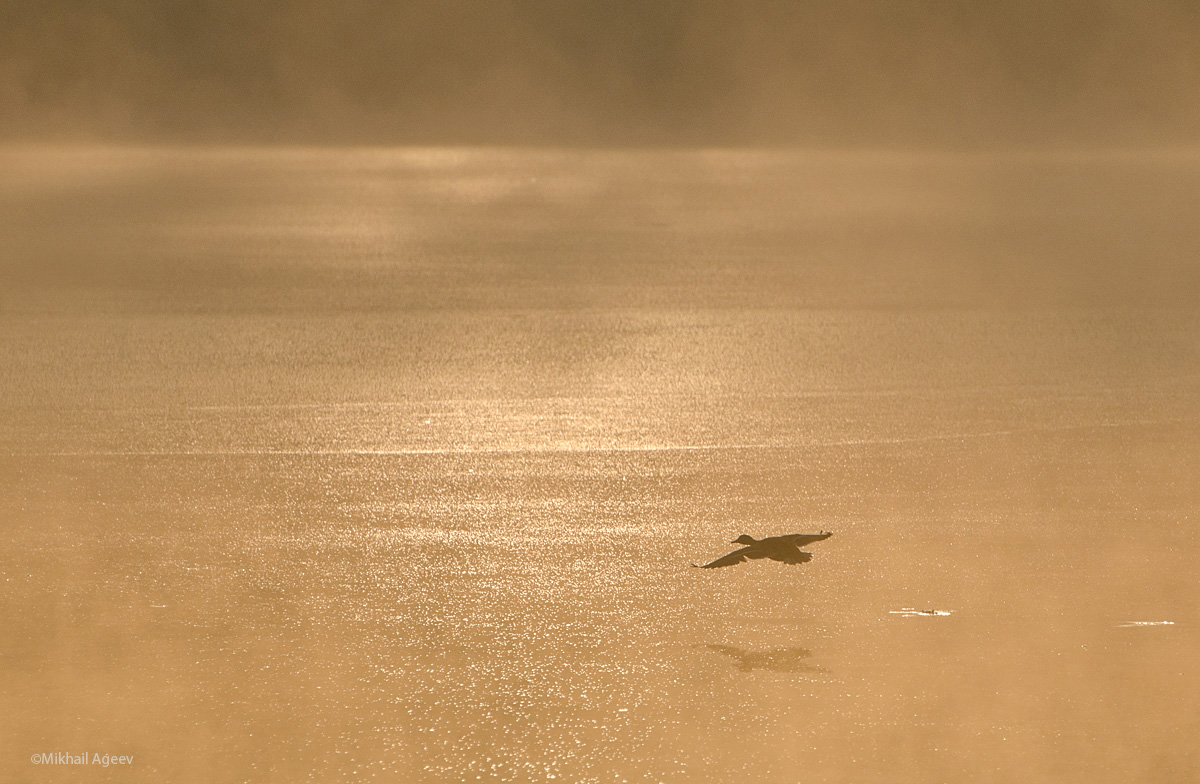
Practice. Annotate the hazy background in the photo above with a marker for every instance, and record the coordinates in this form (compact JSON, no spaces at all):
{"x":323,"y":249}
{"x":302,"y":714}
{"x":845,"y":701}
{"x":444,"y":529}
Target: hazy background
{"x":371,"y":373}
{"x":710,"y":72}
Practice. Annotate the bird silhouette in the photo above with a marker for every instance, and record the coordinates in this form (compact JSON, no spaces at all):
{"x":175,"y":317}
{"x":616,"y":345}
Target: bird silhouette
{"x":784,"y":548}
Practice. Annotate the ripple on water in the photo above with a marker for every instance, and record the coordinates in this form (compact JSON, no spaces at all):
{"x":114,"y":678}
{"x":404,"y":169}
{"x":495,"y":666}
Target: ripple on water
{"x":1138,"y":624}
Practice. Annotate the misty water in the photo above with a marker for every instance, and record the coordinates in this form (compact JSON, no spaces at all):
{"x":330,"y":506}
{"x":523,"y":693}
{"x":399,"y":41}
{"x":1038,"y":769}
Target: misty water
{"x":391,"y":465}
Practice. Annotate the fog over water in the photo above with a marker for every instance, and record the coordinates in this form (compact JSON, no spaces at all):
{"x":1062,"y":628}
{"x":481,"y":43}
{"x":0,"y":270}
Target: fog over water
{"x":710,"y":72}
{"x":373,"y":375}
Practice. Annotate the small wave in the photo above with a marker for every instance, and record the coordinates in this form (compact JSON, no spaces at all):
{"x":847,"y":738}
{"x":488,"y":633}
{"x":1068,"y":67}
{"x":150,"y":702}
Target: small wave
{"x":1132,"y":624}
{"x":910,"y":612}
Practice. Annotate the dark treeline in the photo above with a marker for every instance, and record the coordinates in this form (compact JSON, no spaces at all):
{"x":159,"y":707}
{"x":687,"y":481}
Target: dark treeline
{"x":940,"y":72}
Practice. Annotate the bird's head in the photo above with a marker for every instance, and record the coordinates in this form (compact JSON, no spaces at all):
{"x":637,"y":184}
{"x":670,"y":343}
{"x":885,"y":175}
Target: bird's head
{"x":744,"y":539}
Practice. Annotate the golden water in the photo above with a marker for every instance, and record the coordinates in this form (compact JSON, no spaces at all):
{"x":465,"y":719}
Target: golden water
{"x":390,"y":465}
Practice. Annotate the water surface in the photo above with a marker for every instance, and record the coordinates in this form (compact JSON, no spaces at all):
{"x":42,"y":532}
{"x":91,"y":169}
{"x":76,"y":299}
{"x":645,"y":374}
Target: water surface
{"x":391,"y":465}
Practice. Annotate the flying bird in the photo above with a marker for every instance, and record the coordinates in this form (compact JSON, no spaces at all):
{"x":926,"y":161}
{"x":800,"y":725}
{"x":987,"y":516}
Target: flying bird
{"x":784,"y":548}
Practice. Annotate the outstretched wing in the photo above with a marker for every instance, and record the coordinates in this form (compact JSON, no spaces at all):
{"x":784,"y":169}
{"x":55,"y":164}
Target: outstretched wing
{"x":790,"y":555}
{"x":736,"y":557}
{"x":799,"y":540}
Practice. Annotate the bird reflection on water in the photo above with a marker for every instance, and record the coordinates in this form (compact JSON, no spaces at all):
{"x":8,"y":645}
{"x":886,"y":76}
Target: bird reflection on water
{"x":778,"y":660}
